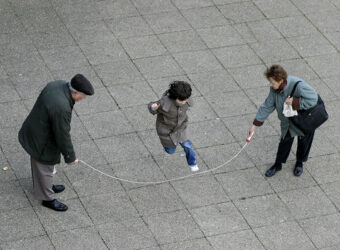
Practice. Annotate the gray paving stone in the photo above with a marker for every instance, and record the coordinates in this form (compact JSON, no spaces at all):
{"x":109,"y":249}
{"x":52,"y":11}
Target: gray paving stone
{"x":91,"y":31}
{"x":323,"y":90}
{"x":189,"y":4}
{"x":312,"y":45}
{"x":12,"y":196}
{"x":19,"y":162}
{"x":145,"y":170}
{"x":220,"y":36}
{"x":244,"y":183}
{"x":146,"y":46}
{"x":19,"y":224}
{"x":325,"y":65}
{"x":309,"y":202}
{"x":258,"y":95}
{"x":249,"y":76}
{"x":40,"y":242}
{"x":88,"y":151}
{"x":331,"y":83}
{"x":172,"y":227}
{"x":152,"y":142}
{"x":157,"y":67}
{"x":238,"y":240}
{"x":269,"y":54}
{"x":245,"y":32}
{"x":3,"y":74}
{"x":12,"y":114}
{"x":241,"y":12}
{"x":334,"y":38}
{"x":155,"y":199}
{"x":264,"y":210}
{"x":209,"y":133}
{"x":239,"y":126}
{"x":324,"y":169}
{"x":200,"y":191}
{"x":332,"y":190}
{"x":223,"y":104}
{"x":331,"y":248}
{"x":64,"y":58}
{"x":201,"y":110}
{"x":124,"y":27}
{"x":52,"y":39}
{"x":236,"y":56}
{"x":118,"y":72}
{"x":294,"y":26}
{"x":313,"y":6}
{"x":87,"y":182}
{"x":122,"y":147}
{"x":219,"y":219}
{"x":182,"y":41}
{"x":276,"y":8}
{"x":217,"y":155}
{"x":87,"y":71}
{"x":205,"y":17}
{"x":106,"y":124}
{"x":75,"y":217}
{"x":197,"y":244}
{"x":332,"y":108}
{"x":140,"y":118}
{"x":119,"y":8}
{"x":99,"y":207}
{"x":167,"y":22}
{"x":84,"y":238}
{"x":11,"y":24}
{"x":138,"y":93}
{"x":289,"y":236}
{"x":298,"y":67}
{"x":197,"y":61}
{"x":101,"y":101}
{"x":71,"y":12}
{"x":8,"y":92}
{"x":30,"y":84}
{"x":264,"y":30}
{"x":152,"y":6}
{"x":103,"y":52}
{"x":325,"y":21}
{"x":127,"y":234}
{"x":78,"y":131}
{"x":324,"y":231}
{"x":8,"y":175}
{"x":15,"y":44}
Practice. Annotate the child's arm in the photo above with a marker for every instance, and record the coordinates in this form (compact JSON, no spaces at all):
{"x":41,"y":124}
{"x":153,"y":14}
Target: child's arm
{"x":153,"y":107}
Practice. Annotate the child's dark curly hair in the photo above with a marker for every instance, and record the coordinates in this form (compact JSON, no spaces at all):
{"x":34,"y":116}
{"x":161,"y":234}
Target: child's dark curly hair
{"x":179,"y":90}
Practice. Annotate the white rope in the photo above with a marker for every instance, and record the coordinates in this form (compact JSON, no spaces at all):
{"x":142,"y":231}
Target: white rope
{"x":164,"y":181}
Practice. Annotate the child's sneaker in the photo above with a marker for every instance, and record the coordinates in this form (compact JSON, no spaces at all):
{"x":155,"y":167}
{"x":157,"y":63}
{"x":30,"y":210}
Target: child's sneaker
{"x":194,"y":168}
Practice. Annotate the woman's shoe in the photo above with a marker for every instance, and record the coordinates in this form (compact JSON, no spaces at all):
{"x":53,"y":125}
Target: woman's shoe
{"x":298,"y":170}
{"x":272,"y":171}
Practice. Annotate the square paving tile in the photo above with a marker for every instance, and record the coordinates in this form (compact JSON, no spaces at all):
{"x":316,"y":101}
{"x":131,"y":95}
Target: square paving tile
{"x":309,"y":202}
{"x":333,"y":192}
{"x":325,"y":65}
{"x":294,"y":26}
{"x":167,"y":22}
{"x":205,"y":17}
{"x":151,"y":6}
{"x":140,"y":118}
{"x":245,"y":239}
{"x":124,"y":27}
{"x":244,"y":183}
{"x":40,"y":242}
{"x":264,"y":210}
{"x":173,"y":227}
{"x":324,"y":169}
{"x":219,"y":219}
{"x":198,"y":244}
{"x":189,"y":4}
{"x":127,"y":234}
{"x":289,"y":235}
{"x":277,"y":8}
{"x":241,"y":12}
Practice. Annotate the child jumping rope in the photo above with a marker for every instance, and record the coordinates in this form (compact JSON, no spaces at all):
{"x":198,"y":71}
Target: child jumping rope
{"x":172,"y":120}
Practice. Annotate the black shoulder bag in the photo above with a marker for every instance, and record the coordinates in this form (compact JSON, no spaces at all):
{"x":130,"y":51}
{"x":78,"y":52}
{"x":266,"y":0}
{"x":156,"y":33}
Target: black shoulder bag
{"x":310,"y":119}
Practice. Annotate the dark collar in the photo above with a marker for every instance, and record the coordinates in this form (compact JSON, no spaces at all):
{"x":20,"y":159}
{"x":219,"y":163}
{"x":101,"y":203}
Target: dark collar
{"x":282,"y":86}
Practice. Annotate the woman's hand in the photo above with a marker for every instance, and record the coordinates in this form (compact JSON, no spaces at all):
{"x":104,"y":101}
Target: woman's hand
{"x":251,"y":131}
{"x":289,"y":100}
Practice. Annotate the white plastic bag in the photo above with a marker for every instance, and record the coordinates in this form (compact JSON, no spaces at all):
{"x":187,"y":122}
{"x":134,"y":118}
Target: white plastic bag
{"x":288,"y":111}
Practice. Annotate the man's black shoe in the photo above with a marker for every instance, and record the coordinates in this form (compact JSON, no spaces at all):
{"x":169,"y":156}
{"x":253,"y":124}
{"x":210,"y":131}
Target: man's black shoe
{"x":55,"y":205}
{"x":58,"y":188}
{"x":298,"y":170}
{"x":276,"y":167}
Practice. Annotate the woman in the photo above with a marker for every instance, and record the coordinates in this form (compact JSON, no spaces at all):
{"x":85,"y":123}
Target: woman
{"x":305,"y":97}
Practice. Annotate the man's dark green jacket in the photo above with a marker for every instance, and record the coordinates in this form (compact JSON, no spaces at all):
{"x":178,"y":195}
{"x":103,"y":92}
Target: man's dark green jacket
{"x":46,"y":131}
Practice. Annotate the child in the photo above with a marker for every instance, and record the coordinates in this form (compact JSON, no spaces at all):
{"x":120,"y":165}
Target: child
{"x":172,"y":120}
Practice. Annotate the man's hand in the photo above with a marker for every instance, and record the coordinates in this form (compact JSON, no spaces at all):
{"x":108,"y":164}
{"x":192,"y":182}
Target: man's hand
{"x":289,"y":100}
{"x":74,"y":162}
{"x":155,"y":106}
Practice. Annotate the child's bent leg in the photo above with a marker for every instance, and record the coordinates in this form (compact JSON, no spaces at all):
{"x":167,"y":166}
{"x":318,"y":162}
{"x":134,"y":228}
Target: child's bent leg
{"x":189,"y":152}
{"x":170,"y":150}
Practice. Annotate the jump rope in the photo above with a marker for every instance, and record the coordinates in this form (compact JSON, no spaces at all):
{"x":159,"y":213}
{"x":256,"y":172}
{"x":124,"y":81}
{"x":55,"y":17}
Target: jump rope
{"x":168,"y":180}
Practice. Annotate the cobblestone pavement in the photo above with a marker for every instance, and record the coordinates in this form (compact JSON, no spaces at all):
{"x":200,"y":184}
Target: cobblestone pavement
{"x":131,"y":50}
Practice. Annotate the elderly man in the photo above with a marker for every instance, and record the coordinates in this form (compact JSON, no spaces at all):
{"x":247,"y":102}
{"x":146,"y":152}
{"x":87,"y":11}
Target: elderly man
{"x":46,"y":133}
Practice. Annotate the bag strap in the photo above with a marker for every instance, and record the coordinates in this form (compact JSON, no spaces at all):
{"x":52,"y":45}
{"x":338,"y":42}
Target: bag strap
{"x":296,"y":84}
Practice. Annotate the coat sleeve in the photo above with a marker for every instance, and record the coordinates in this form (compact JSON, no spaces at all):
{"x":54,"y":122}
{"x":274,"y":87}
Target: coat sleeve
{"x":308,"y":97}
{"x":154,"y":112}
{"x":266,"y":108}
{"x":61,"y":121}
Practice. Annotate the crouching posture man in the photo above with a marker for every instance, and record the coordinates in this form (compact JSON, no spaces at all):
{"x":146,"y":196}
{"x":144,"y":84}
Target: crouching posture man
{"x":45,"y":134}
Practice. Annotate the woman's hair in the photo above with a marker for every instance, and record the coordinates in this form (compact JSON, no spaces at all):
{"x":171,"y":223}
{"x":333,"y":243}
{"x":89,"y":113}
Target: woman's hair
{"x":276,"y":72}
{"x":179,"y":90}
